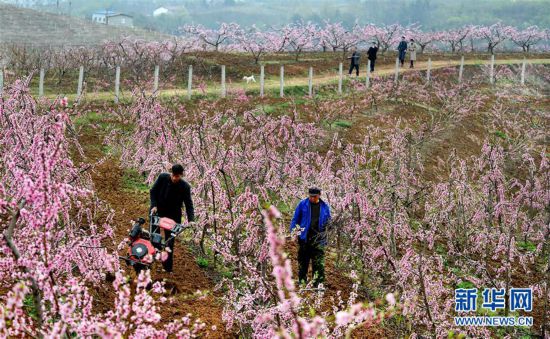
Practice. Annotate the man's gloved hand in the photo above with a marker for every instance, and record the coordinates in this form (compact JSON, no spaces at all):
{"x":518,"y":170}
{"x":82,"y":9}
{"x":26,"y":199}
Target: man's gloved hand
{"x":153,"y":210}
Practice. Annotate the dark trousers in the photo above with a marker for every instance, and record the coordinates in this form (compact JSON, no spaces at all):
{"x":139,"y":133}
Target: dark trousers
{"x":402,"y":57}
{"x":351,"y":67}
{"x":168,"y":264}
{"x":311,"y":251}
{"x":372,"y":65}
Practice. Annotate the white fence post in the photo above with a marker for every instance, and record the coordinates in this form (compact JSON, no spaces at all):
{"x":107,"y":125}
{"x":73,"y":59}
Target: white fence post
{"x":492,"y":74}
{"x":340,"y":78}
{"x":80,"y":81}
{"x":523,"y":65}
{"x":117,"y":84}
{"x":41,"y":83}
{"x":396,"y":70}
{"x":190,"y":82}
{"x":461,"y":70}
{"x":223,"y":82}
{"x":1,"y":81}
{"x":156,"y":81}
{"x":429,"y":72}
{"x":262,"y":79}
{"x":310,"y":82}
{"x":282,"y":80}
{"x":367,"y":83}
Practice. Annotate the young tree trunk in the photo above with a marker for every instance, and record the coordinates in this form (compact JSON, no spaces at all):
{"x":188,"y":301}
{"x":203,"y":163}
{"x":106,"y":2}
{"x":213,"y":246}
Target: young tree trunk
{"x":425,"y":295}
{"x":546,"y":257}
{"x":36,"y":293}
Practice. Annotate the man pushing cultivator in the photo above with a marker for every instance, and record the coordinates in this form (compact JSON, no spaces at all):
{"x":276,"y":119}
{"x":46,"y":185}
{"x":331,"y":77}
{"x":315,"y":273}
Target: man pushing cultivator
{"x":168,"y":195}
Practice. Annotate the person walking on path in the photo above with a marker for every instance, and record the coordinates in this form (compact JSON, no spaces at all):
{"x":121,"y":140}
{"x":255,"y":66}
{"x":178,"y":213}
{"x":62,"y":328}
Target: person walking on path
{"x":355,"y":58}
{"x":312,"y":215}
{"x":412,"y":53}
{"x":373,"y":50}
{"x":402,"y":49}
{"x":168,"y":194}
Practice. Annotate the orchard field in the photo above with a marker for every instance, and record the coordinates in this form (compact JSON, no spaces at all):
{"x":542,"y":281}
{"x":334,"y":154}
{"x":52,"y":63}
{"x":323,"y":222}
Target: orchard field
{"x":433,"y":186}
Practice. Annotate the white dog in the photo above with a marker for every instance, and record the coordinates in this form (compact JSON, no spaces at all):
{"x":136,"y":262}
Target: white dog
{"x":249,"y":79}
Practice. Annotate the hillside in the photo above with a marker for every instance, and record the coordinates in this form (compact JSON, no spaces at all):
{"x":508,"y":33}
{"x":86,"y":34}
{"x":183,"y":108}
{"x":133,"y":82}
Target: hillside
{"x":21,"y":25}
{"x":431,"y":15}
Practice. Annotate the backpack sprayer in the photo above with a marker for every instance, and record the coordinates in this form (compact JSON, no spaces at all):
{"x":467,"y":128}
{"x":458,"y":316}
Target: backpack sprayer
{"x":146,"y":247}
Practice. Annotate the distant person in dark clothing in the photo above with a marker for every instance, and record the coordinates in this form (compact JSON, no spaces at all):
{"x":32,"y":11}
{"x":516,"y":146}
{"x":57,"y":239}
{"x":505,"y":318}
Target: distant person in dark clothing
{"x":312,"y":215}
{"x":373,"y":50}
{"x":169,"y":193}
{"x":355,"y":58}
{"x":402,"y":49}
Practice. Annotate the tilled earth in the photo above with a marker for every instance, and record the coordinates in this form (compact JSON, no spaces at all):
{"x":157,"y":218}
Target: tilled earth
{"x":187,"y":276}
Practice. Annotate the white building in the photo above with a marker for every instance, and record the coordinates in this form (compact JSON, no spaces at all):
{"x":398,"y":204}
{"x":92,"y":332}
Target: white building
{"x":113,"y":18}
{"x":160,"y":11}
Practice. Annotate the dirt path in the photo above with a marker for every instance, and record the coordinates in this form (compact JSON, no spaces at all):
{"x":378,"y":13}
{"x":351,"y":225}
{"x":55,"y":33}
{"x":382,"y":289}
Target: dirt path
{"x":187,"y":277}
{"x":272,"y":81}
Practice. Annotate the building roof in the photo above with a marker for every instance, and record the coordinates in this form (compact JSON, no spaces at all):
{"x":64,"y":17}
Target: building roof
{"x":109,"y":13}
{"x":105,"y":12}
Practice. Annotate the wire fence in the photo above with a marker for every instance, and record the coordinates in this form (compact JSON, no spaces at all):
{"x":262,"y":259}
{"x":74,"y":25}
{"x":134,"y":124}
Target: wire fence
{"x":270,"y":82}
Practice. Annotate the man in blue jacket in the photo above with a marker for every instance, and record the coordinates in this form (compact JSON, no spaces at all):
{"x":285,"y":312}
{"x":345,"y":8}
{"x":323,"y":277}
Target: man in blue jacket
{"x":312,"y":215}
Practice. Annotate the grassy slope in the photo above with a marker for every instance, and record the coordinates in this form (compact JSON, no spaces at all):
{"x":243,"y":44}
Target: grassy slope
{"x":21,"y":25}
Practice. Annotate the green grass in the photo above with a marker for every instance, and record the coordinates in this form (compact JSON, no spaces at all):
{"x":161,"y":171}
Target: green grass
{"x":526,"y":246}
{"x":282,"y":106}
{"x":289,"y":104}
{"x":465,"y":284}
{"x":28,"y":305}
{"x":203,"y":262}
{"x":267,"y":109}
{"x":453,"y":335}
{"x":342,"y":123}
{"x":88,"y":119}
{"x":289,"y":90}
{"x":133,"y":181}
{"x":227,"y":274}
{"x":107,"y":149}
{"x":501,"y":135}
{"x":440,"y":249}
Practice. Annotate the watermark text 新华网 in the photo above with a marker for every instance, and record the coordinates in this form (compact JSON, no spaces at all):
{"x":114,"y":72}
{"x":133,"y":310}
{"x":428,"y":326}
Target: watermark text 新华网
{"x":519,"y":299}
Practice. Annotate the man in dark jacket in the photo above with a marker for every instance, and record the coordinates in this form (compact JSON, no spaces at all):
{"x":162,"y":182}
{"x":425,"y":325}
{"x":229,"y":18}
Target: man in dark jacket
{"x":373,"y":50}
{"x":169,"y":193}
{"x":312,"y":214}
{"x":355,"y":58}
{"x":402,"y":48}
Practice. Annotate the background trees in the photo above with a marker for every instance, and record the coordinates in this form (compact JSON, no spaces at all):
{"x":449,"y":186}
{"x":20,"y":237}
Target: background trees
{"x":432,"y":15}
